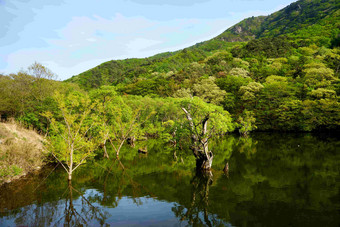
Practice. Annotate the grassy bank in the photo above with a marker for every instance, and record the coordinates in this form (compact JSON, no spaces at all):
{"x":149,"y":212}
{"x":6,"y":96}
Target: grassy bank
{"x":21,"y":151}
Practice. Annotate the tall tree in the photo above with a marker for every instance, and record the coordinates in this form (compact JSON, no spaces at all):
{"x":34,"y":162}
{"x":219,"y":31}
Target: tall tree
{"x":69,"y":140}
{"x":203,"y":122}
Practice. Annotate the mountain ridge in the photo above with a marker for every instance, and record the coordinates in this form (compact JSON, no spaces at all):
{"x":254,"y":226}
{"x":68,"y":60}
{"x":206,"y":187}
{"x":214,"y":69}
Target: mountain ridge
{"x":293,"y":20}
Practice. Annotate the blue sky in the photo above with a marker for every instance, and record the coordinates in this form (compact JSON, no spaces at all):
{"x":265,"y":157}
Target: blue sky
{"x":72,"y":36}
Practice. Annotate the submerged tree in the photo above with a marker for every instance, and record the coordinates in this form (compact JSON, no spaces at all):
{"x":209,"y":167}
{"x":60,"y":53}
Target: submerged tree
{"x":203,"y":122}
{"x":69,"y":140}
{"x":104,"y":96}
{"x":126,"y":119}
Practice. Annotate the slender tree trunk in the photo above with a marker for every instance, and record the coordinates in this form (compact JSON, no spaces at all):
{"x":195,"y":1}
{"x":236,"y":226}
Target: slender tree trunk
{"x":226,"y":169}
{"x":120,"y":147}
{"x":106,"y":155}
{"x":70,"y":169}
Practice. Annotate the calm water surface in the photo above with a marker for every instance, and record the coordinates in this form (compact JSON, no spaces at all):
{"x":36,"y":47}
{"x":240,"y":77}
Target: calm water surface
{"x":273,"y":180}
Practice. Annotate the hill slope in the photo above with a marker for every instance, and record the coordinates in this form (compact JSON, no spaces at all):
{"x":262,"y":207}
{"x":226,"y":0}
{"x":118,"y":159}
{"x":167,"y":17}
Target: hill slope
{"x":316,"y":20}
{"x":21,"y":151}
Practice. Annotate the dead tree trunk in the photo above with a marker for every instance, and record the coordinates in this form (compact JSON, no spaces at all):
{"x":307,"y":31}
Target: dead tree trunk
{"x":200,"y":139}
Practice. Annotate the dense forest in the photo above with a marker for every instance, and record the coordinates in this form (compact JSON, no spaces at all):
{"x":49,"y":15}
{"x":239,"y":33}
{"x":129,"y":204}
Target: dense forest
{"x":278,"y":72}
{"x":283,"y":69}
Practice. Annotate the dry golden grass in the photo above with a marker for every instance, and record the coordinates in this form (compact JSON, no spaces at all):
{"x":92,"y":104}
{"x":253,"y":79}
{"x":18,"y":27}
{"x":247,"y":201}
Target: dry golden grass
{"x":21,"y":151}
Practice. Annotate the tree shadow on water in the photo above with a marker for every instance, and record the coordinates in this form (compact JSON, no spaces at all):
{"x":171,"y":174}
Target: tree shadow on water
{"x":80,"y":213}
{"x":196,"y":213}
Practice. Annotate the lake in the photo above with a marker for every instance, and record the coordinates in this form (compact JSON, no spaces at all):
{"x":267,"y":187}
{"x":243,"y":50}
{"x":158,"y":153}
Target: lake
{"x":273,"y":180}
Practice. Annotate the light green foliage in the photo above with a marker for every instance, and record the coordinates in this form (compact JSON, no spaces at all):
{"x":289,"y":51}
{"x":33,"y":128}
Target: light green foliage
{"x":249,"y":92}
{"x":69,"y":140}
{"x":207,"y":90}
{"x":277,"y":66}
{"x":317,"y":75}
{"x":126,"y":118}
{"x":322,"y":113}
{"x":202,"y":122}
{"x":183,"y":93}
{"x":322,"y":51}
{"x":308,"y":51}
{"x":104,"y":94}
{"x":239,"y":63}
{"x":220,"y":121}
{"x":322,"y":93}
{"x":245,"y":122}
{"x":332,"y":60}
{"x":239,"y":72}
{"x":276,"y":79}
{"x":169,"y":131}
{"x":219,"y":57}
{"x":277,"y":87}
{"x":154,"y":112}
{"x":218,"y":62}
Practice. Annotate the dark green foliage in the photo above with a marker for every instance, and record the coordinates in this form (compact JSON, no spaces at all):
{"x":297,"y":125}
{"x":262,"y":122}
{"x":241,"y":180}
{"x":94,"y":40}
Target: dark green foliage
{"x":269,"y":47}
{"x":297,"y":16}
{"x":127,"y":71}
{"x":27,"y":94}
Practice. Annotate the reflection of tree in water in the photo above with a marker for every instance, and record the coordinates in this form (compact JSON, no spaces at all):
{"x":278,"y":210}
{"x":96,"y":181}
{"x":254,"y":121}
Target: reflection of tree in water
{"x":246,"y":145}
{"x":85,"y":215}
{"x":37,"y":215}
{"x":68,"y":212}
{"x":114,"y":185}
{"x":275,"y":180}
{"x":196,"y":213}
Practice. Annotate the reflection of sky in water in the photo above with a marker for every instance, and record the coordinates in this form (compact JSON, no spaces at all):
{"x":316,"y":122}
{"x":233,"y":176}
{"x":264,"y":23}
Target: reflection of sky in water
{"x":149,"y":211}
{"x":143,"y":211}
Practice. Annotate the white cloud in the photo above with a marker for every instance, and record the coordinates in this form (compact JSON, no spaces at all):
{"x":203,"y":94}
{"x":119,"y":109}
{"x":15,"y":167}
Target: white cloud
{"x":141,"y":44}
{"x":169,"y":2}
{"x":91,"y":39}
{"x":86,"y":41}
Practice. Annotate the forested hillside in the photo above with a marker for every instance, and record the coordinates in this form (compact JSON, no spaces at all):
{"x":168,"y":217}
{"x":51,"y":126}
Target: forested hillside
{"x":306,"y":21}
{"x":283,"y":68}
{"x":280,"y":71}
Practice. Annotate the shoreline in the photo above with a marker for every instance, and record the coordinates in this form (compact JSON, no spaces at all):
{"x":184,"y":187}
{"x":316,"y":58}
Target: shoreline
{"x":21,"y":152}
